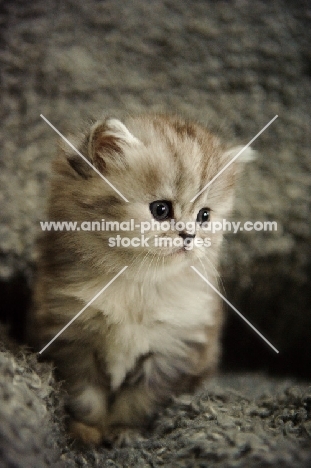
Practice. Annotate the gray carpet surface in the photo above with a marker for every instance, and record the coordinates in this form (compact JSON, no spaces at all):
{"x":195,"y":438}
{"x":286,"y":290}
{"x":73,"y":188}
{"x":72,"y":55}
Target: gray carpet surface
{"x":235,"y":420}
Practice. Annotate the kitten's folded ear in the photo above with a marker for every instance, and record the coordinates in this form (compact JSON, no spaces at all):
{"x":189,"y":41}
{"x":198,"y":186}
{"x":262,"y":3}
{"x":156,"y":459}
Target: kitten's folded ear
{"x":235,"y":158}
{"x":240,"y":154}
{"x":105,"y":143}
{"x":232,"y":164}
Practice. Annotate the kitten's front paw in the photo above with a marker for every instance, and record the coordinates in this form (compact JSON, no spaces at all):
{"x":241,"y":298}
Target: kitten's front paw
{"x":87,"y":434}
{"x":122,"y":437}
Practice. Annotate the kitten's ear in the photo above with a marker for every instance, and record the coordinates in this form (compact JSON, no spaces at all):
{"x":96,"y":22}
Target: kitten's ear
{"x":233,"y":161}
{"x":239,"y":154}
{"x":107,"y":142}
{"x":236,"y":158}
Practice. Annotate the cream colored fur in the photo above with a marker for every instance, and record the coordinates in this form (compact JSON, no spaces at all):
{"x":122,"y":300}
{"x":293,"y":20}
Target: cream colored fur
{"x":155,"y":331}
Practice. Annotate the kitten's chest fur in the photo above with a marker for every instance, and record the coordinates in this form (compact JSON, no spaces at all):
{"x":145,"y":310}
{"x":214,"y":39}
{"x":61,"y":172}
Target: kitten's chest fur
{"x":163,"y":318}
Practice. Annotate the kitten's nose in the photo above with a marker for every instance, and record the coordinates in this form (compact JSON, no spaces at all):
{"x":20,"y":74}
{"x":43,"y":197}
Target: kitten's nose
{"x":185,"y":235}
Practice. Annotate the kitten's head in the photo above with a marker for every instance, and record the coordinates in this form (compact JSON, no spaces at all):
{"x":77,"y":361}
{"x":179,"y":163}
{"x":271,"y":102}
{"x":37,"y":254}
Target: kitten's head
{"x":160,"y":164}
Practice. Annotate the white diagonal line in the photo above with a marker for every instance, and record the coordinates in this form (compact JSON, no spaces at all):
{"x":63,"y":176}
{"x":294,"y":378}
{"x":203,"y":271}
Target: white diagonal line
{"x":83,"y":157}
{"x":235,"y":157}
{"x":82,"y":310}
{"x":235,"y":310}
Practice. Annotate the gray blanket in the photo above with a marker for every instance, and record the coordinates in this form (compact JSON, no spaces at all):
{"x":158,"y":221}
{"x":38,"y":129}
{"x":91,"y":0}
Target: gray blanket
{"x":242,"y":420}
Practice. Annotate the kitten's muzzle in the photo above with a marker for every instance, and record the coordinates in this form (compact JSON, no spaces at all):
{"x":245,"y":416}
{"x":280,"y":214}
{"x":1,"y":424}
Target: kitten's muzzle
{"x":185,"y":235}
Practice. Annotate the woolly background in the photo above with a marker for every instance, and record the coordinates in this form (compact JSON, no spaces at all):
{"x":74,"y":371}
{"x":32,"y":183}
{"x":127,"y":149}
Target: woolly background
{"x":234,"y":64}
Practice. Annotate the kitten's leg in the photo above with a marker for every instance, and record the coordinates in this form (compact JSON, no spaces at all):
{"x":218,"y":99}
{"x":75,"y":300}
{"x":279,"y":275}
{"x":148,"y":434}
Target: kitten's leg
{"x":158,"y":378}
{"x":88,"y":410}
{"x":151,"y":384}
{"x":86,"y":396}
{"x":87,"y":388}
{"x":129,"y":414}
{"x":82,"y":374}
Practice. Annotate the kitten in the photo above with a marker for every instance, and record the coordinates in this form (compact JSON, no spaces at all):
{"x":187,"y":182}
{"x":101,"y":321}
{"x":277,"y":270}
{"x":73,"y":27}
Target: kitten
{"x":155,"y":331}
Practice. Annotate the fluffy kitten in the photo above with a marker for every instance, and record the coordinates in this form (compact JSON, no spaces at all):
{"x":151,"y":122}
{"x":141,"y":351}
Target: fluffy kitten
{"x":155,"y":331}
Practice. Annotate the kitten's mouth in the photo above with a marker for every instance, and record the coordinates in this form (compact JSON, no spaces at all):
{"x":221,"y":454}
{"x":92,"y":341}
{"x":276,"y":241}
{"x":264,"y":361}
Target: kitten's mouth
{"x":172,"y":254}
{"x":178,"y":252}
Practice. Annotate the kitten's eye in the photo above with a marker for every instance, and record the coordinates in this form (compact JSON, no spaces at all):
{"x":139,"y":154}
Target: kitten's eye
{"x":161,"y":209}
{"x":203,"y":215}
